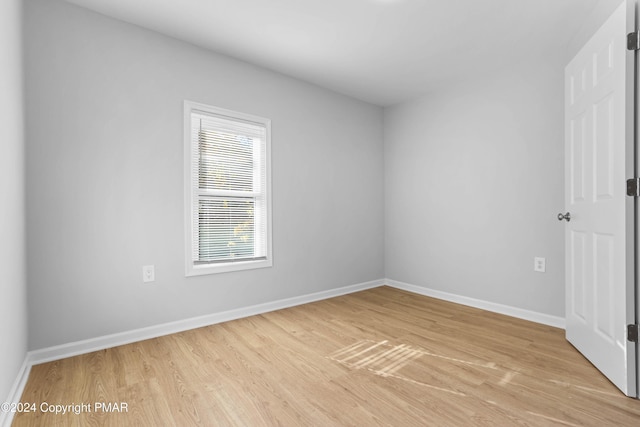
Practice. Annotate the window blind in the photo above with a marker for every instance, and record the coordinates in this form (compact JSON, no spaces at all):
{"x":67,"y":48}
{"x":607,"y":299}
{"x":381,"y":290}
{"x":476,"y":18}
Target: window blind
{"x":228,"y":179}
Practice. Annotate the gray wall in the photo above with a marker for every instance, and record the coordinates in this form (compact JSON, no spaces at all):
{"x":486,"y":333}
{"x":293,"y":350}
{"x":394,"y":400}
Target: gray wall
{"x":105,"y":178}
{"x":474,"y":177}
{"x":13,"y":310}
{"x":474,"y":180}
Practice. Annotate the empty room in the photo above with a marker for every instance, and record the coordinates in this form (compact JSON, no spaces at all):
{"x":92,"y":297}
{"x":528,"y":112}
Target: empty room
{"x":319,"y":212}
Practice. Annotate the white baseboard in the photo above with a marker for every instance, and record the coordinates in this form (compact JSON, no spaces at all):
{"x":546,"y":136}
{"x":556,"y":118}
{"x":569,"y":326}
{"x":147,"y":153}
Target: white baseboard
{"x":520,"y":313}
{"x":16,"y":392}
{"x":99,"y":343}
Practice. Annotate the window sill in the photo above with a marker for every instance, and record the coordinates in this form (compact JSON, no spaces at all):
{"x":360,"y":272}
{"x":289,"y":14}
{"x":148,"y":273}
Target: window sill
{"x":201,"y":270}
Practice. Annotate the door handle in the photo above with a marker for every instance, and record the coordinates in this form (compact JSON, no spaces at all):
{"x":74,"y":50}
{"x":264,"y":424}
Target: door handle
{"x":566,"y":216}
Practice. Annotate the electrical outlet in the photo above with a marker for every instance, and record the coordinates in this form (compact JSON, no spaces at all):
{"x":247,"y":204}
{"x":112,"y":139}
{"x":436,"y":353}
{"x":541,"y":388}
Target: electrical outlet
{"x":148,"y":273}
{"x":539,"y":264}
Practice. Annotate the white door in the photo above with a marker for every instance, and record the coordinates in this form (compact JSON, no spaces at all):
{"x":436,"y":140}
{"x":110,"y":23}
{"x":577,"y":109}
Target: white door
{"x":600,"y":298}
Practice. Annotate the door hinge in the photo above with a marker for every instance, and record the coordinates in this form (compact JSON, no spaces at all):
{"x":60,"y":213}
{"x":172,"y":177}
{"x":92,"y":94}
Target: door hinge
{"x":633,"y":187}
{"x":632,"y":333}
{"x":633,"y":41}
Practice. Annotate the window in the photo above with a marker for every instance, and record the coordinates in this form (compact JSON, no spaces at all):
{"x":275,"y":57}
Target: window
{"x":227,"y":190}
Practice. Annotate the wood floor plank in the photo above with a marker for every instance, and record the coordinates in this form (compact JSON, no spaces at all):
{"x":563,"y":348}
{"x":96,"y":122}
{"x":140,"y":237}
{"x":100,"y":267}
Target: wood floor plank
{"x":377,"y":357}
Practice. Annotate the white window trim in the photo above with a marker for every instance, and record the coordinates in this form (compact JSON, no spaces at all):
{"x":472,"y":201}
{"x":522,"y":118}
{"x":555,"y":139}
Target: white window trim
{"x":223,"y":267}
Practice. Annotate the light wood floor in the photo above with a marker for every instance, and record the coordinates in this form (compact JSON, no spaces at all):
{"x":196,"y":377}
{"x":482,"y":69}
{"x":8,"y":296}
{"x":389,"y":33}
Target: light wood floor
{"x":377,"y":357}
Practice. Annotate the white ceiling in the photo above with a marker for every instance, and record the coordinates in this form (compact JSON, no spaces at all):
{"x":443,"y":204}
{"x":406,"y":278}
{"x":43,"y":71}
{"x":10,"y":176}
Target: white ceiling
{"x":380,"y":51}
